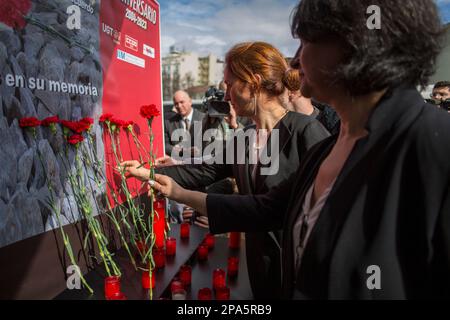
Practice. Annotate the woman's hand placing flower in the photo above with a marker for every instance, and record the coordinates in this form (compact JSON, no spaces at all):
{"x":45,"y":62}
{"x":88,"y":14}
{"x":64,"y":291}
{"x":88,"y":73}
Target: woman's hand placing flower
{"x":134,"y":169}
{"x":167,"y":187}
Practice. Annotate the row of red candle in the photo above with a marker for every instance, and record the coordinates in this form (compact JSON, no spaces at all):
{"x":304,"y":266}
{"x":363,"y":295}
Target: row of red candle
{"x":179,"y":293}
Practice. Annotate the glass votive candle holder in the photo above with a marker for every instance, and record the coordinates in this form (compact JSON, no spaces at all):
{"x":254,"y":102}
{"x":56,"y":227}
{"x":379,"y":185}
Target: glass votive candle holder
{"x":176,"y":284}
{"x":179,"y":294}
{"x":118,"y":296}
{"x":233,"y":266}
{"x":205,"y":294}
{"x":202,"y":252}
{"x":159,"y":256}
{"x":171,"y":246}
{"x":223,"y":293}
{"x":218,"y":279}
{"x":146,"y":280}
{"x":235,"y":240}
{"x":184,"y":230}
{"x":185,"y":275}
{"x":209,"y":240}
{"x":112,"y":286}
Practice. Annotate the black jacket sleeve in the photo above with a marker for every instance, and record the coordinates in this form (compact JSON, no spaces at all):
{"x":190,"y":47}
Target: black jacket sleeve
{"x":193,"y":176}
{"x":249,"y":213}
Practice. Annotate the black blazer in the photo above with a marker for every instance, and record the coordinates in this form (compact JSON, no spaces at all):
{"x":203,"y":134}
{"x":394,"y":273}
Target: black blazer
{"x":297,"y":133}
{"x":175,"y":121}
{"x":389,"y":207}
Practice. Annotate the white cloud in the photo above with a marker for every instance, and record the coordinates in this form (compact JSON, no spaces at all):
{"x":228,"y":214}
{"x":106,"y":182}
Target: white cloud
{"x":213,"y":27}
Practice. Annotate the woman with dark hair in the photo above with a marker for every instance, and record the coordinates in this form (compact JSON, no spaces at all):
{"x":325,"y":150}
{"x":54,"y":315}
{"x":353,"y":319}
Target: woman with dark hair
{"x":367,"y":216}
{"x":257,"y":78}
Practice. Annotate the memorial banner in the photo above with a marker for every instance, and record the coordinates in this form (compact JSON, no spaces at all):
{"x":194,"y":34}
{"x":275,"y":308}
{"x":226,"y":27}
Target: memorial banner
{"x":65,"y":64}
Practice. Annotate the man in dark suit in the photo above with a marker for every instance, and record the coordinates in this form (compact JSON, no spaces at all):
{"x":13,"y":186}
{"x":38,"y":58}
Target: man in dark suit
{"x":183,"y":130}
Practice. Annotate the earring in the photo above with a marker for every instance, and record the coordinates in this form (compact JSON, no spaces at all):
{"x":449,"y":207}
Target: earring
{"x":255,"y":103}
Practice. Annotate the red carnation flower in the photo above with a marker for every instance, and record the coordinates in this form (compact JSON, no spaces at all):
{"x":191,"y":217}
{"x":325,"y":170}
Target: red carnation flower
{"x":89,"y":121}
{"x":105,"y":117}
{"x":127,"y":124}
{"x":76,"y":126}
{"x":50,"y":120}
{"x":75,"y":139}
{"x":149,"y":112}
{"x":29,"y":122}
{"x":117,"y":122}
{"x":12,"y":12}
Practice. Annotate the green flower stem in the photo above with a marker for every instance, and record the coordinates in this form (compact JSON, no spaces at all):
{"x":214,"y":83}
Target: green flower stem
{"x":66,"y":240}
{"x":110,"y":216}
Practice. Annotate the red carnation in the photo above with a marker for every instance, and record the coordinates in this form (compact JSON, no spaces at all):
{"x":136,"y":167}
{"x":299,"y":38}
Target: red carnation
{"x":75,"y":139}
{"x":29,"y":122}
{"x":117,"y":122}
{"x":89,"y":121}
{"x":127,"y":124}
{"x":149,"y":112}
{"x":105,"y":117}
{"x":50,"y":120}
{"x":76,"y":126}
{"x":12,"y":12}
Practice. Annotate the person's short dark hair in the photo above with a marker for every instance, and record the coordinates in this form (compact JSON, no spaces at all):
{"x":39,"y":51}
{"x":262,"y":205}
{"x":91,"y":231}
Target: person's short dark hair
{"x":442,"y":84}
{"x":403,"y":51}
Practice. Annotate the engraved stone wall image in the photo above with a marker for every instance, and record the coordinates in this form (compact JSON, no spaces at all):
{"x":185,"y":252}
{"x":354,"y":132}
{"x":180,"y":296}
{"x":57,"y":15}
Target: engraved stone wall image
{"x":47,"y":68}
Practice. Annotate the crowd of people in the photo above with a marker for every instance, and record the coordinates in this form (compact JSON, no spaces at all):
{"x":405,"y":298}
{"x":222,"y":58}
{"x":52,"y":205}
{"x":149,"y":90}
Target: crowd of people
{"x":364,"y":175}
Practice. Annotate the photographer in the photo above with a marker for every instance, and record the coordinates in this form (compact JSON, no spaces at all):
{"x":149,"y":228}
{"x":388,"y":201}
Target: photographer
{"x":441,"y":95}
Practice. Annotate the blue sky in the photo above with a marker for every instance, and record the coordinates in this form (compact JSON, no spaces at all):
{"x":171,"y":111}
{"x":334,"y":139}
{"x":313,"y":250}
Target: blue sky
{"x":212,"y":26}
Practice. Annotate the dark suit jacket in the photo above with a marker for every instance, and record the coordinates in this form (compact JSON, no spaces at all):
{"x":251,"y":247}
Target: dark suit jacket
{"x":389,"y":207}
{"x":297,"y":133}
{"x":175,"y":121}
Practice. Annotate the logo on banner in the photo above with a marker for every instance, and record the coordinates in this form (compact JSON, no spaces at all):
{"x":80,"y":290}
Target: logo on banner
{"x":110,"y":31}
{"x":131,"y":43}
{"x":130,"y":58}
{"x":149,"y":51}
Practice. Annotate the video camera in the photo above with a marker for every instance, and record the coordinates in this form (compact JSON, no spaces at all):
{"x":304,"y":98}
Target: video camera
{"x":444,"y":105}
{"x":214,"y":104}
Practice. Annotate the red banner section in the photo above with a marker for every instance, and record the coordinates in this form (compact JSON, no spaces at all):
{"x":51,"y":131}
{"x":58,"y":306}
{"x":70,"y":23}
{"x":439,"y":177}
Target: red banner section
{"x":130,"y":56}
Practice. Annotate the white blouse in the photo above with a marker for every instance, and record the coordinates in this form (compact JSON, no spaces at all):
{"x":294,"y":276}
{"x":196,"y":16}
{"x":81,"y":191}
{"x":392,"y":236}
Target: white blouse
{"x":306,"y":222}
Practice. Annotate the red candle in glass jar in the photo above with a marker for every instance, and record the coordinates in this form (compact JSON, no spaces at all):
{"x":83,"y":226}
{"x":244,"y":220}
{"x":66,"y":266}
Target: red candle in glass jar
{"x":185,"y":275}
{"x":118,"y":296}
{"x":233,"y":266}
{"x":202,"y":252}
{"x":146,"y":280}
{"x":159,"y":256}
{"x":235,"y":240}
{"x":159,"y":222}
{"x":184,"y":230}
{"x":218,"y":279}
{"x":223,"y":293}
{"x":205,"y":294}
{"x":209,"y":240}
{"x":171,"y":246}
{"x":176,"y":284}
{"x":112,"y":286}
